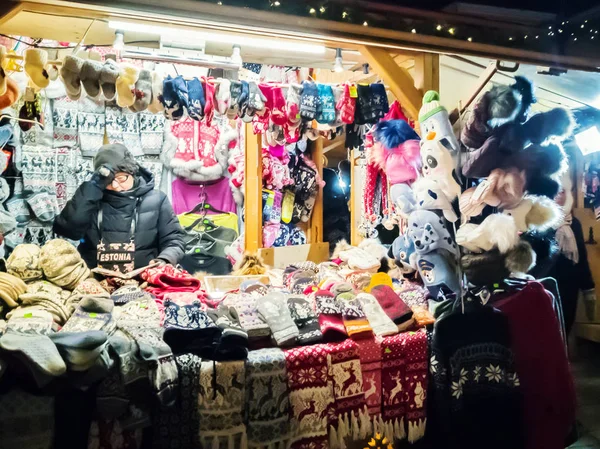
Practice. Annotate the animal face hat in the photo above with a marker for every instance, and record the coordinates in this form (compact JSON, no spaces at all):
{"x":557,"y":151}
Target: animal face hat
{"x":439,"y":162}
{"x":496,"y":231}
{"x":535,"y":213}
{"x":403,"y":252}
{"x":439,"y":272}
{"x":434,"y":121}
{"x":428,"y":232}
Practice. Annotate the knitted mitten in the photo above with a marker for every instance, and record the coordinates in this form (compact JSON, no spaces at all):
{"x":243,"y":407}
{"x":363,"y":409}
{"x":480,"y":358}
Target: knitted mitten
{"x":325,"y":105}
{"x":273,"y":309}
{"x":393,"y":306}
{"x":355,"y":322}
{"x":196,"y":99}
{"x":234,"y":105}
{"x":293,"y":104}
{"x":233,"y":344}
{"x":223,"y":96}
{"x":381,"y":323}
{"x":246,"y":306}
{"x":143,"y":91}
{"x":309,"y":101}
{"x":330,"y":316}
{"x":347,"y":105}
{"x":302,"y":313}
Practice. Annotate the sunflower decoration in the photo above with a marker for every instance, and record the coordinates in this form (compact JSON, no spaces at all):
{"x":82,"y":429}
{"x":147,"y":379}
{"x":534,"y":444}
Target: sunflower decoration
{"x":379,"y":442}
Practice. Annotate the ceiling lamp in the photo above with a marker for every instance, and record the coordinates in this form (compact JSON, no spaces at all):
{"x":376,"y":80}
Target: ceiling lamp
{"x":268,"y":44}
{"x":119,"y":42}
{"x":236,"y":55}
{"x":338,"y":66}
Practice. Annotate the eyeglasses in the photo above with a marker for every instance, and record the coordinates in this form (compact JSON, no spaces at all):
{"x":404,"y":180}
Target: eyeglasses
{"x":121,"y":179}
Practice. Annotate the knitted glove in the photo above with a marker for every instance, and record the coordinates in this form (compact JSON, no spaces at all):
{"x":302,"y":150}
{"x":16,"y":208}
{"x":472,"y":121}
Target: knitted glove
{"x":233,"y":344}
{"x":308,"y":325}
{"x":273,"y":309}
{"x":103,"y":177}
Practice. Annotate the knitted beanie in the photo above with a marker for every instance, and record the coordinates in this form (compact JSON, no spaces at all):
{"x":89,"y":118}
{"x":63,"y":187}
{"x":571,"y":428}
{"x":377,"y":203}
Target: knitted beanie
{"x":379,"y":279}
{"x":62,"y":264}
{"x":24,"y":262}
{"x":11,"y":287}
{"x":189,"y":329}
{"x":391,"y":303}
{"x":330,"y":316}
{"x":302,"y":313}
{"x":246,"y":306}
{"x":356,"y":324}
{"x":48,"y":297}
{"x":87,"y":288}
{"x":274,"y":310}
{"x":381,"y":323}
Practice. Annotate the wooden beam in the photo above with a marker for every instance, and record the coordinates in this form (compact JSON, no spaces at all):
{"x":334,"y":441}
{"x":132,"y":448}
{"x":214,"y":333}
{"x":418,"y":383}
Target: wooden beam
{"x":478,"y":86}
{"x":315,"y":232}
{"x":427,"y":72}
{"x":355,"y":194}
{"x":253,"y":191}
{"x":399,"y":81}
{"x":7,"y":12}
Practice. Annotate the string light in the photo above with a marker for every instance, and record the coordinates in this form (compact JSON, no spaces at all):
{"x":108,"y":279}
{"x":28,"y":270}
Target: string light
{"x":574,"y":38}
{"x":220,"y":3}
{"x":563,"y":23}
{"x":510,"y":38}
{"x":344,"y":15}
{"x":582,"y":26}
{"x":451,"y":31}
{"x":550,"y":27}
{"x":365,"y":24}
{"x":312,"y":11}
{"x":470,"y":39}
{"x":525,"y":37}
{"x":276,"y":4}
{"x":439,"y":28}
{"x":322,"y":9}
{"x":560,"y":30}
{"x":537,"y":37}
{"x":585,"y":21}
{"x":413,"y":31}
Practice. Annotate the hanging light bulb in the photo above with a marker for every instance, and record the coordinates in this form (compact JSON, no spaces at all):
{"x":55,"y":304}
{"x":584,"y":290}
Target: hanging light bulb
{"x":119,"y":42}
{"x":451,"y":31}
{"x":338,"y":66}
{"x":439,"y":28}
{"x":413,"y":31}
{"x":312,"y":11}
{"x":236,"y":55}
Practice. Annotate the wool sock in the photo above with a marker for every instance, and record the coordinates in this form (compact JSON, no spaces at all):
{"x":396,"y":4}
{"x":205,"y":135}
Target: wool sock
{"x":80,"y":350}
{"x":92,"y":313}
{"x":196,"y":99}
{"x":70,"y":73}
{"x":125,"y":85}
{"x":90,"y":77}
{"x":356,"y":324}
{"x":143,"y":91}
{"x":273,"y":309}
{"x":91,"y":124}
{"x":155,"y":105}
{"x":309,"y":101}
{"x":35,"y":60}
{"x":391,"y":303}
{"x":108,"y":79}
{"x":308,"y":325}
{"x":330,"y":316}
{"x":381,"y":323}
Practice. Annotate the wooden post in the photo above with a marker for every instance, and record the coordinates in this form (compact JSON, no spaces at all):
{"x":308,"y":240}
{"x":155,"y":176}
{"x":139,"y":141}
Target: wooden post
{"x":315,"y":232}
{"x":355,"y":190}
{"x":427,"y":72}
{"x":396,"y":78}
{"x":253,"y":191}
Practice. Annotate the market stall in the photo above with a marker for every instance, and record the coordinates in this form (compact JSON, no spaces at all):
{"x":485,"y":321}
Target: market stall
{"x":168,"y":280}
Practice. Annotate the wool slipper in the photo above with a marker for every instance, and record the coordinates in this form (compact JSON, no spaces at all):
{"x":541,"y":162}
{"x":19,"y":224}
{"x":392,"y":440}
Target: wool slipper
{"x":35,"y":60}
{"x":90,"y":77}
{"x":70,"y":73}
{"x":108,"y":79}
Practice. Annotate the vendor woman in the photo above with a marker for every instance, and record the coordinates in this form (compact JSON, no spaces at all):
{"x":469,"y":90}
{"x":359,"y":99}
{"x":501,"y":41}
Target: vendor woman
{"x":123,"y":223}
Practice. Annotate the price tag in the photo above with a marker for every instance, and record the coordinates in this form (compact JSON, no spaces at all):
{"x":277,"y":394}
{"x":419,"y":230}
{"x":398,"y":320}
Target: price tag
{"x":93,"y":315}
{"x":353,"y":91}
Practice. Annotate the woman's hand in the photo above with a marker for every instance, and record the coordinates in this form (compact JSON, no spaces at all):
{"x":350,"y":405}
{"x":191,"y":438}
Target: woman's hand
{"x":158,"y":262}
{"x":103,"y":177}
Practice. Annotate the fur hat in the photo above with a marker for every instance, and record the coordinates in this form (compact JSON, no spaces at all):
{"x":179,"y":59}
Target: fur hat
{"x":249,"y":264}
{"x":535,"y":213}
{"x":439,"y":271}
{"x":397,"y":151}
{"x":496,"y":231}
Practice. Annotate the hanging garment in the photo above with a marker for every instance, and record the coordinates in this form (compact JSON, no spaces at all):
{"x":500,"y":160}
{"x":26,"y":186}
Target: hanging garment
{"x":227,"y":221}
{"x":215,"y":265}
{"x":549,"y":400}
{"x":185,"y":196}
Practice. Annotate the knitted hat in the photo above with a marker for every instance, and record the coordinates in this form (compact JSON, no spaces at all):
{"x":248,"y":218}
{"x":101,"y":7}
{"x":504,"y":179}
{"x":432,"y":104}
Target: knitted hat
{"x":11,"y":95}
{"x":62,"y":264}
{"x":70,"y":73}
{"x":87,"y":288}
{"x":189,"y":329}
{"x":381,"y":323}
{"x":306,"y":320}
{"x":391,"y":304}
{"x":125,"y":85}
{"x":80,"y":350}
{"x":117,"y":157}
{"x":379,"y":279}
{"x":11,"y":287}
{"x":108,"y":79}
{"x":24,"y":262}
{"x":439,"y":271}
{"x":431,"y":105}
{"x":49,"y":297}
{"x":274,"y":310}
{"x":330,"y":316}
{"x":35,"y":60}
{"x":90,"y":77}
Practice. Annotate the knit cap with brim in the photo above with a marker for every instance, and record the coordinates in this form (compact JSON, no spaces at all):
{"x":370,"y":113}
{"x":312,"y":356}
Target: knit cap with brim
{"x":117,"y":157}
{"x":431,"y":105}
{"x":62,"y":264}
{"x":24,"y":262}
{"x":11,"y":287}
{"x":48,"y":297}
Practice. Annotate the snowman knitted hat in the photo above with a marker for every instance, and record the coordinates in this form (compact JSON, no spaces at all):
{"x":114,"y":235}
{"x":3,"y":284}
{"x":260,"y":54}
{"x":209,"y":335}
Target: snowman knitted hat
{"x":431,"y":105}
{"x":24,"y":262}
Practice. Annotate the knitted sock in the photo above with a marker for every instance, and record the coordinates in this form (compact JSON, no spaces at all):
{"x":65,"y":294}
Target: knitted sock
{"x":93,"y":313}
{"x":152,"y":130}
{"x":90,"y":77}
{"x":233,"y":344}
{"x":381,"y":323}
{"x":330,"y":316}
{"x":223,"y":96}
{"x":391,"y":303}
{"x":125,"y":85}
{"x":155,"y":105}
{"x":380,"y":100}
{"x":309,"y":101}
{"x":143,"y":91}
{"x":108,"y":79}
{"x":173,"y":108}
{"x":234,"y":106}
{"x":347,"y":104}
{"x":35,"y":60}
{"x":196,"y":99}
{"x":91,"y":123}
{"x":69,"y":72}
{"x":273,"y":309}
{"x":356,"y":324}
{"x":308,"y":325}
{"x":80,"y":350}
{"x":325,"y":105}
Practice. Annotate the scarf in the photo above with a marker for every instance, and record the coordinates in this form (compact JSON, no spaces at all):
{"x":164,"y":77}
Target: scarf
{"x":566,"y":240}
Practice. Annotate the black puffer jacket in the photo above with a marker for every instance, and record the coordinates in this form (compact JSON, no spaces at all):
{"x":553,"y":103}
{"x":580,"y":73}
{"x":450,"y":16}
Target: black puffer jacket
{"x":157,"y":235}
